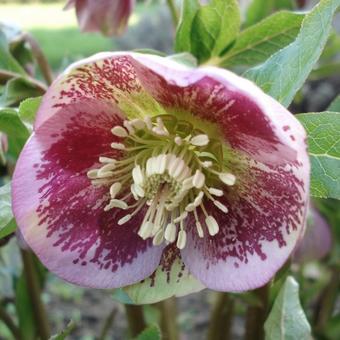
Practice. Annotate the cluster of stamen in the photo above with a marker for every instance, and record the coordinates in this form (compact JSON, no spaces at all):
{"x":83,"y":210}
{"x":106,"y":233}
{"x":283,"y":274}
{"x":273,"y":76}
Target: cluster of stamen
{"x":168,"y":167}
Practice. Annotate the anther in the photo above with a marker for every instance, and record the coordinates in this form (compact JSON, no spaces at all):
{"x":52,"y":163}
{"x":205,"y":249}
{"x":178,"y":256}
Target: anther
{"x":124,"y":219}
{"x":221,"y":206}
{"x":227,"y":178}
{"x":119,"y":131}
{"x":182,"y":239}
{"x":200,"y":140}
{"x":215,"y":192}
{"x":198,"y":179}
{"x":118,"y":146}
{"x":212,"y":225}
{"x":170,"y":232}
{"x":114,"y":189}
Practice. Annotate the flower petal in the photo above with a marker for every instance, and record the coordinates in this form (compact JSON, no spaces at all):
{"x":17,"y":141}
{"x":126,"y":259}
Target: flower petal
{"x":248,"y":119}
{"x":61,"y":214}
{"x":264,"y":222}
{"x":317,"y":240}
{"x":98,"y":77}
{"x":170,"y":279}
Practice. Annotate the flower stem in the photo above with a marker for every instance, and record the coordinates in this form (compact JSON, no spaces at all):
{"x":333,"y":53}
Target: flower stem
{"x":168,"y":325}
{"x":173,"y":11}
{"x":257,"y":315}
{"x":327,"y":300}
{"x":135,"y":318}
{"x":40,"y":58}
{"x":7,"y":320}
{"x":107,"y":324}
{"x":221,"y":318}
{"x":34,"y":289}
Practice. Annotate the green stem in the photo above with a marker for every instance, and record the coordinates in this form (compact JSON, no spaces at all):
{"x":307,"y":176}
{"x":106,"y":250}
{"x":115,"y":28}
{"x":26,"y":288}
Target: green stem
{"x":7,"y":320}
{"x":257,"y":315}
{"x":135,"y":318}
{"x":107,"y":324}
{"x":173,"y":11}
{"x":34,"y":289}
{"x":40,"y":58}
{"x":221,"y":318}
{"x":169,"y":327}
{"x":327,"y":300}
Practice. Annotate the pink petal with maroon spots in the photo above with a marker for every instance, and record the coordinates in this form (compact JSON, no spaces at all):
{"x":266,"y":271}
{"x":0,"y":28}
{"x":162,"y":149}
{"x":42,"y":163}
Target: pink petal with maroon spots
{"x":249,"y":120}
{"x":93,"y":78}
{"x":60,"y":213}
{"x":265,"y":220}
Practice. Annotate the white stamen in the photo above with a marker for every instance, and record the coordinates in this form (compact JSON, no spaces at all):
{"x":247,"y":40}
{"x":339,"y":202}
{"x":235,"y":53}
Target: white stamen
{"x":216,"y":192}
{"x":137,"y":175}
{"x":178,"y":140}
{"x":104,"y":174}
{"x":187,"y":184}
{"x":159,"y":131}
{"x":124,"y":219}
{"x":207,"y":164}
{"x":198,"y":199}
{"x":115,"y":188}
{"x":221,"y":206}
{"x":198,"y":179}
{"x":182,"y":239}
{"x":107,"y":160}
{"x":200,"y":140}
{"x":145,"y":230}
{"x":190,"y":207}
{"x":158,"y":238}
{"x":119,"y":131}
{"x":114,"y":203}
{"x":149,"y":167}
{"x":148,"y":122}
{"x":170,"y":232}
{"x":212,"y":225}
{"x":107,"y":167}
{"x":129,"y":127}
{"x":161,"y":164}
{"x":118,"y":146}
{"x":138,"y":190}
{"x":92,"y":174}
{"x":138,"y":124}
{"x":181,"y":217}
{"x":178,"y":170}
{"x":227,"y":178}
{"x":199,"y":229}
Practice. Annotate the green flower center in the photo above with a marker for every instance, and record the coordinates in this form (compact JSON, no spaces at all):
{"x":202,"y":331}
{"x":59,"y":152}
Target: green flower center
{"x":170,"y":168}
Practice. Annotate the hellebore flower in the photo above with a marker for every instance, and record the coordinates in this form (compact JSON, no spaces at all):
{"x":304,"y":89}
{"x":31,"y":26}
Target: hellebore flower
{"x":317,"y":241}
{"x":136,"y":158}
{"x":107,"y":16}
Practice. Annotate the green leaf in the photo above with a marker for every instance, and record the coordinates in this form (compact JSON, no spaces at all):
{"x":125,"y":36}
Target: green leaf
{"x":287,"y":320}
{"x":66,"y":332}
{"x":16,"y":131}
{"x":324,"y":150}
{"x":150,"y":333}
{"x":7,"y":62}
{"x":18,"y":89}
{"x":163,"y":284}
{"x":283,"y":74}
{"x":7,"y":224}
{"x":257,"y":43}
{"x":27,"y":110}
{"x":214,"y":28}
{"x":183,"y":33}
{"x":335,"y":105}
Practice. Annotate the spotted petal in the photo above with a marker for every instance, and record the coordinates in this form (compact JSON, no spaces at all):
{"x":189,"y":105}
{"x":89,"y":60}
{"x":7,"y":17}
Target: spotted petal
{"x":170,"y":279}
{"x":59,"y":211}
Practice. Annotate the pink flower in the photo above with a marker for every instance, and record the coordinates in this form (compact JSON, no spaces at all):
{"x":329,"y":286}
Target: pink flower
{"x":317,"y":241}
{"x":138,"y":160}
{"x":107,"y":16}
